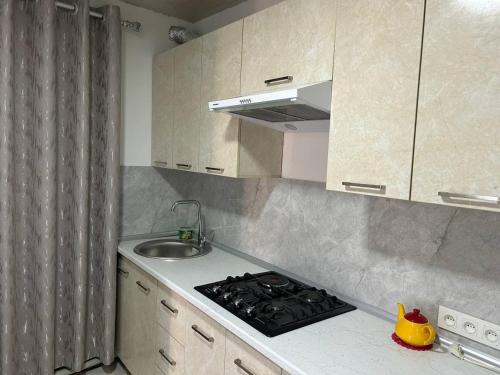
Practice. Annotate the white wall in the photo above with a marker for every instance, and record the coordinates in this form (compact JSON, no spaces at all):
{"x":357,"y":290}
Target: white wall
{"x":138,"y":50}
{"x":232,"y":14}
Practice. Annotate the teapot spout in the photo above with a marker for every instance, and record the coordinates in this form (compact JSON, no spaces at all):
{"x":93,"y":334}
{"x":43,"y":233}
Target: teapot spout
{"x":401,"y":311}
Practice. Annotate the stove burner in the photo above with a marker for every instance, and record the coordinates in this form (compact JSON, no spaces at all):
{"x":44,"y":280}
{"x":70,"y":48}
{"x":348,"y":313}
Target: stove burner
{"x":273,"y":303}
{"x":274,"y":280}
{"x":311,"y":296}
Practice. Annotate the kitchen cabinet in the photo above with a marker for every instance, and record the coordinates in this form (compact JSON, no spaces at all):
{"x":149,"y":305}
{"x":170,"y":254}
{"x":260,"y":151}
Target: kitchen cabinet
{"x":374,"y":97}
{"x":171,"y":313}
{"x":169,"y":353}
{"x":457,"y":135}
{"x":163,"y":110}
{"x":242,"y":359}
{"x":226,"y":147}
{"x":136,"y":318}
{"x":291,"y":43}
{"x":186,"y":127}
{"x":205,"y":344}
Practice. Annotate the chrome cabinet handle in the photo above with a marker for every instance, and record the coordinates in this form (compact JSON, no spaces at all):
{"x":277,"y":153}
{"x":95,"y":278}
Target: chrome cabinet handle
{"x":472,"y":198}
{"x":171,"y":309}
{"x":143,"y":288}
{"x":238,"y":363}
{"x":171,"y":362}
{"x":123,"y":272}
{"x":363,"y":186}
{"x":215,"y":170}
{"x":183,"y":166}
{"x":278,"y":81}
{"x":197,"y":330}
{"x":160,"y":162}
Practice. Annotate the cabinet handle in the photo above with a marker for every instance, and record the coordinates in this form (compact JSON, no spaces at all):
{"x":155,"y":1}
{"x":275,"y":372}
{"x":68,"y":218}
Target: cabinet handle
{"x":197,"y":330}
{"x":123,"y":272}
{"x":215,"y":170}
{"x":381,"y":188}
{"x":171,"y":362}
{"x":278,"y":81}
{"x":238,"y":363}
{"x":471,"y":198}
{"x":160,"y":162}
{"x":144,"y":289}
{"x":171,"y":309}
{"x":183,"y":166}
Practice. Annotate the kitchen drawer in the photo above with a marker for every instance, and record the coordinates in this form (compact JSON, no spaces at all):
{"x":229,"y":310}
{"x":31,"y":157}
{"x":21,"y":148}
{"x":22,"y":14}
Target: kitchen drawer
{"x":171,"y":311}
{"x":169,"y":354}
{"x":205,"y":344}
{"x":242,"y":359}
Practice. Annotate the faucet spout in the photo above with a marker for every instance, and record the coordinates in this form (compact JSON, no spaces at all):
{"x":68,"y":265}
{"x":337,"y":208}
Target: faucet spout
{"x":201,"y":229}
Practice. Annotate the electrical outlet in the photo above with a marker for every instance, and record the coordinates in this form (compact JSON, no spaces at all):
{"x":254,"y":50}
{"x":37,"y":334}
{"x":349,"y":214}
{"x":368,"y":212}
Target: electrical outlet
{"x":468,"y":326}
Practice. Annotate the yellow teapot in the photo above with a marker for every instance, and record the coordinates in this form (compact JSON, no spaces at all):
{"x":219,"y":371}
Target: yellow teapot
{"x":413,"y":330}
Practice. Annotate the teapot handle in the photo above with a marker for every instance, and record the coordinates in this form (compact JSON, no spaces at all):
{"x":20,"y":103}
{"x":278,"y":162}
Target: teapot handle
{"x":432,"y":335}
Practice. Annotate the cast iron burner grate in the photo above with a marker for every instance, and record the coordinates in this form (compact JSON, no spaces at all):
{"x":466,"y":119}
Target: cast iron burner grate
{"x":273,"y":303}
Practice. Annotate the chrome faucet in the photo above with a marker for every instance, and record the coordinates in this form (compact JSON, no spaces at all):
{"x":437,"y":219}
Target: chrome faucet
{"x":202,"y":239}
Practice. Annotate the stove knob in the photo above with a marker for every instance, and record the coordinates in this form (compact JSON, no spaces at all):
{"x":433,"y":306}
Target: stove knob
{"x":216,"y":289}
{"x":250,"y":311}
{"x":226,"y":296}
{"x":237,"y":302}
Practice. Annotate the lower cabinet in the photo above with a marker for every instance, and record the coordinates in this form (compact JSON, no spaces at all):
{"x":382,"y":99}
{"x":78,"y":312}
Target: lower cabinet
{"x":169,"y":354}
{"x":136,"y":331}
{"x":205,"y":344}
{"x":160,"y":333}
{"x":242,"y":359}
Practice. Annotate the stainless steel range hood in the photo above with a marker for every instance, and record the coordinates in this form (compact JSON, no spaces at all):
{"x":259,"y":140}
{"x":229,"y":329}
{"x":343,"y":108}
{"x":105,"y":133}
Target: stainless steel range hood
{"x":299,"y":109}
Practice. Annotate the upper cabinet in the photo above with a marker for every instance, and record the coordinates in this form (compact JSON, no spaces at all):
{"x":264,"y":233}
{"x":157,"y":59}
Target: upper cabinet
{"x":219,"y":132}
{"x":187,"y":81}
{"x":291,"y":43}
{"x":374,"y":99}
{"x":226,"y":147}
{"x":458,"y":132}
{"x":163,"y":110}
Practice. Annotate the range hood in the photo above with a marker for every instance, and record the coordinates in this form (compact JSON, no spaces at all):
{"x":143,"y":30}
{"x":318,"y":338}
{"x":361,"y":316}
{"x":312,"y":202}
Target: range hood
{"x":299,"y":109}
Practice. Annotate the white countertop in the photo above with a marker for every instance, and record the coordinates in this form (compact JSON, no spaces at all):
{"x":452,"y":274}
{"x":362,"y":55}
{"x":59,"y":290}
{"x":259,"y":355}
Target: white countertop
{"x":354,"y":343}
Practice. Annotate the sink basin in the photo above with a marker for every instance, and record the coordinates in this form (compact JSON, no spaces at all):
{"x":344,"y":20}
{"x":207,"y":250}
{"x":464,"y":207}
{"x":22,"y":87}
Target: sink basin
{"x":171,"y":249}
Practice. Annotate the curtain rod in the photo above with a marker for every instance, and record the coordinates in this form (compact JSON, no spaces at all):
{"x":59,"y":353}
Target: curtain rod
{"x":73,"y":8}
{"x":131,"y":25}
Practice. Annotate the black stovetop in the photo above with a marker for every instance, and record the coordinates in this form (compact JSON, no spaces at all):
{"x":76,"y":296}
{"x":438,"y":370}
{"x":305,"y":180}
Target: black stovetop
{"x":273,"y":303}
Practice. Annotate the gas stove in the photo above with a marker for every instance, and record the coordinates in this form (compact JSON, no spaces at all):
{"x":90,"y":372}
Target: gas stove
{"x":273,"y":303}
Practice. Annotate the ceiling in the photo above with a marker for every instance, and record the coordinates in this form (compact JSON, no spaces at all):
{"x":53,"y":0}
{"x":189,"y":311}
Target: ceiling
{"x":188,"y":10}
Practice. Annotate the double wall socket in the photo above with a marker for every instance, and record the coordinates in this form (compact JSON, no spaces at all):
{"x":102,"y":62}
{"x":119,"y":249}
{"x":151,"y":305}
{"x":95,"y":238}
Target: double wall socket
{"x":468,"y":326}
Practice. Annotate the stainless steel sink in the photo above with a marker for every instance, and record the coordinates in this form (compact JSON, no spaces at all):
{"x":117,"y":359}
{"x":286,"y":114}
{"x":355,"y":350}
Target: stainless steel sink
{"x":170,"y":249}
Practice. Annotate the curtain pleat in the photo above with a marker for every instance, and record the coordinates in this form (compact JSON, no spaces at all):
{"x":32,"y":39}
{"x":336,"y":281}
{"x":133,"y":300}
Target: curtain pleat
{"x":59,"y":146}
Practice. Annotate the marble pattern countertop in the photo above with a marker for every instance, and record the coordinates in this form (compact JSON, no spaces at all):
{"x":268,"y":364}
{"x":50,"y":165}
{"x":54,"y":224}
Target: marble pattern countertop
{"x":350,"y":344}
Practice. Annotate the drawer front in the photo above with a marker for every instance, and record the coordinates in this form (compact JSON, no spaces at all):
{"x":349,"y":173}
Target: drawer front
{"x":171,"y":311}
{"x":205,"y":344}
{"x":169,"y":354}
{"x":242,"y":359}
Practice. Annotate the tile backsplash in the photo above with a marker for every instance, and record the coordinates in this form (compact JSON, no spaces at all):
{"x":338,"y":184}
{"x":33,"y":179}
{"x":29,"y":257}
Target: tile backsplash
{"x":377,"y":250}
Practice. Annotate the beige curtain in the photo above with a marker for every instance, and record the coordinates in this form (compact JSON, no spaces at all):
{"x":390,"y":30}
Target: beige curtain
{"x":59,"y":150}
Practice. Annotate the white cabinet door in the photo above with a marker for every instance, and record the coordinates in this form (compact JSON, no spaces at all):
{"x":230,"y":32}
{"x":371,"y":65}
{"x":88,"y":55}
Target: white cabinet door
{"x":375,"y":86}
{"x":187,"y":81}
{"x":163,"y":110}
{"x":242,"y":359}
{"x":136,"y":319}
{"x":205,"y":344}
{"x":221,"y":68}
{"x":458,"y":131}
{"x":294,"y":39}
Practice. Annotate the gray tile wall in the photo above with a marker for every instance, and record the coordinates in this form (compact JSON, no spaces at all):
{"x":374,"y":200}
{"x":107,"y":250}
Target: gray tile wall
{"x":376,"y":250}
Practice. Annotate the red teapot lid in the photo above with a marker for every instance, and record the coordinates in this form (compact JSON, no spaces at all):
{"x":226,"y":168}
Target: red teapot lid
{"x":416,"y":317}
